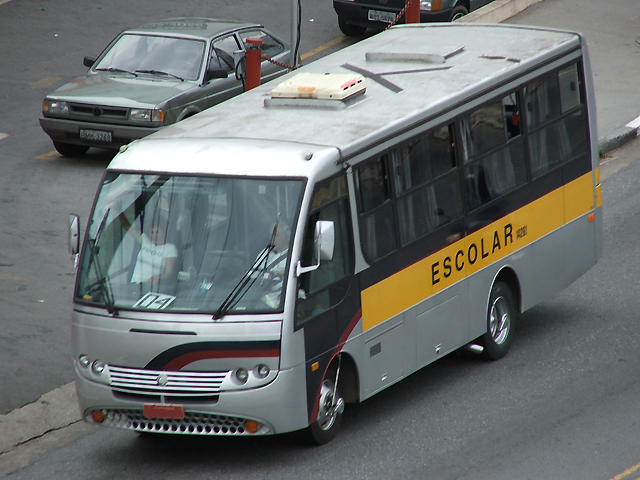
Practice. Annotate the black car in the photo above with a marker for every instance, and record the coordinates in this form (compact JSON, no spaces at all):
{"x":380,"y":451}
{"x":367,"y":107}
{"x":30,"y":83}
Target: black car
{"x":355,"y":16}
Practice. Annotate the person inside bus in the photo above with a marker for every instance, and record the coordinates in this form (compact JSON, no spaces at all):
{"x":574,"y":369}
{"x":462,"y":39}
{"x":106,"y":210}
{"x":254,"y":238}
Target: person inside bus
{"x":273,"y":268}
{"x":156,"y":259}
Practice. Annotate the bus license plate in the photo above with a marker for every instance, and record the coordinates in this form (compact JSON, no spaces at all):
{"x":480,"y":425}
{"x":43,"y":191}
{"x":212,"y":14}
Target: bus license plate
{"x":378,"y":16}
{"x":99,"y":135}
{"x":155,"y":410}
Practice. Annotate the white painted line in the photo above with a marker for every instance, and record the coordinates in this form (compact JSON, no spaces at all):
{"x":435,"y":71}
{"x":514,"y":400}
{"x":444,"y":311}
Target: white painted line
{"x":3,"y":135}
{"x":635,"y":123}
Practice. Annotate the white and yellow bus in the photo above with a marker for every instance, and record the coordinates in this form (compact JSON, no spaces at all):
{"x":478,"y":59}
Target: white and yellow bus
{"x":250,"y":270}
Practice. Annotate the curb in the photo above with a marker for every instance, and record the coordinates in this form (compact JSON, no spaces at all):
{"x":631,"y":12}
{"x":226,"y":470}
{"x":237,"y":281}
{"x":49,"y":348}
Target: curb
{"x":52,"y":411}
{"x":497,"y":11}
{"x":617,"y":139}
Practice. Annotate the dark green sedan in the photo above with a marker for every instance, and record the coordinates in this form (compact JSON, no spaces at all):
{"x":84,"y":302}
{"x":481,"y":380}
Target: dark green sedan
{"x":152,"y":76}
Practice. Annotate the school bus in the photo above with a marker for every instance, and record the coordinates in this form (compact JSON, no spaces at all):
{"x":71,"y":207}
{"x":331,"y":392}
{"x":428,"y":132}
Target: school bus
{"x":252,"y":269}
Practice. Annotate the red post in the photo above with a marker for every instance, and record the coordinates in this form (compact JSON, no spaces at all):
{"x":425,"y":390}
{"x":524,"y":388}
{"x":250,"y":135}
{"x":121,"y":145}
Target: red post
{"x":253,"y":63}
{"x":412,"y":15}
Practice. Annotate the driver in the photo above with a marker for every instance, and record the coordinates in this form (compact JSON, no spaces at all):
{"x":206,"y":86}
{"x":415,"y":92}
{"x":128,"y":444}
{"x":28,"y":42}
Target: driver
{"x":156,"y":259}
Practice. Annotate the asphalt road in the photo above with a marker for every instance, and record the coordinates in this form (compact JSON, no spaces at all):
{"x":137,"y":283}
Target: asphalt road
{"x":563,"y":404}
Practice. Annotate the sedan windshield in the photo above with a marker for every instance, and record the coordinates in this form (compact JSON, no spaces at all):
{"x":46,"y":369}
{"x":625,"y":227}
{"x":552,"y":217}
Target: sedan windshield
{"x":213,"y":245}
{"x":176,"y":57}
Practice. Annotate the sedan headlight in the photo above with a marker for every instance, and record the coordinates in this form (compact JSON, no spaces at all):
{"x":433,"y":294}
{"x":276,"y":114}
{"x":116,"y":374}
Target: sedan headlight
{"x":55,"y":107}
{"x":146,"y":115}
{"x":142,"y":114}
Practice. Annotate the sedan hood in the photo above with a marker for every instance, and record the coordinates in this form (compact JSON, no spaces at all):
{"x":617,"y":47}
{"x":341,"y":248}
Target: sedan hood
{"x":121,"y":90}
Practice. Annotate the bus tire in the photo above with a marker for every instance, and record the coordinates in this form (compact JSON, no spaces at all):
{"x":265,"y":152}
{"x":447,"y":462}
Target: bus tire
{"x":501,"y":322}
{"x":327,"y":425}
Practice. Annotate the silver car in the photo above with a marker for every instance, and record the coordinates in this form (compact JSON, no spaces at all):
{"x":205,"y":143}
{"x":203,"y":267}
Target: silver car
{"x":152,"y":76}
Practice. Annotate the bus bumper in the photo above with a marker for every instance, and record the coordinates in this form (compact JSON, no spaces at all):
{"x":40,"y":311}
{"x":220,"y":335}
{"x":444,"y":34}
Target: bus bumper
{"x":262,"y":411}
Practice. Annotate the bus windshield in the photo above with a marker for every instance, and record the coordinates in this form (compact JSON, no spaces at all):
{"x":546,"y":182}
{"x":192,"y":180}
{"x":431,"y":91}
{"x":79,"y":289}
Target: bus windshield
{"x":189,"y":244}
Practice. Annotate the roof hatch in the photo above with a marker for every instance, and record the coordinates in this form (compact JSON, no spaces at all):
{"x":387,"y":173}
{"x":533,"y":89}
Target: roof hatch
{"x":325,"y":88}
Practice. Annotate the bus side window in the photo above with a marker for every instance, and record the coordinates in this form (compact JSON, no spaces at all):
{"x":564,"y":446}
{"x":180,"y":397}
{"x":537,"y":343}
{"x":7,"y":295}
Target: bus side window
{"x":377,"y":223}
{"x":556,"y":119}
{"x":493,"y":151}
{"x":322,"y":289}
{"x":425,"y":200}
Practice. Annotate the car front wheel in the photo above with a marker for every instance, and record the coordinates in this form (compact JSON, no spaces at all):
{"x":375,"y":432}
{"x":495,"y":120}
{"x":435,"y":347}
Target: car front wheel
{"x":458,"y":12}
{"x":349,"y":29}
{"x":70,"y":150}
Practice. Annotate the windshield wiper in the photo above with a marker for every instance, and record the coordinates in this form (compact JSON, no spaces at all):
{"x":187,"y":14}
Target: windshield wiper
{"x":113,"y":69}
{"x":102,"y":282}
{"x":160,"y":72}
{"x":248,"y":279}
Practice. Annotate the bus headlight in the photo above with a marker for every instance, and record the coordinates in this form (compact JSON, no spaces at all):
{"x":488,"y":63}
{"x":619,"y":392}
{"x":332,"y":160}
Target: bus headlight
{"x":242,"y":375}
{"x":261,"y":371}
{"x":84,"y":361}
{"x":97,"y":367}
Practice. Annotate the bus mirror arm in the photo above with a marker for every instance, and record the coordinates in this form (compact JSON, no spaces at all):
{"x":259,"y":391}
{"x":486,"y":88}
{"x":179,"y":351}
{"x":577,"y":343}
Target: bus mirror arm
{"x":74,"y":238}
{"x":324,"y":242}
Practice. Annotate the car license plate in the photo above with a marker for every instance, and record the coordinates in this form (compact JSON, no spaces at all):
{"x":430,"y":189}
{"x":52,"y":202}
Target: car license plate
{"x":378,"y":16}
{"x":156,"y":410}
{"x":99,"y":135}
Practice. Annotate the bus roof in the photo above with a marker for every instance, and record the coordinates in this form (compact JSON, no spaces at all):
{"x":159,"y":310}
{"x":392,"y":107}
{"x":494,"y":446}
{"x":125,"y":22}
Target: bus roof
{"x":412,"y":72}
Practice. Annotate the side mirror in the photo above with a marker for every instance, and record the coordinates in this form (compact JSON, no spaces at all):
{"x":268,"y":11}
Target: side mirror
{"x":324,"y":242}
{"x":215,"y":73}
{"x":325,"y":239}
{"x":88,"y":61}
{"x":74,"y":238}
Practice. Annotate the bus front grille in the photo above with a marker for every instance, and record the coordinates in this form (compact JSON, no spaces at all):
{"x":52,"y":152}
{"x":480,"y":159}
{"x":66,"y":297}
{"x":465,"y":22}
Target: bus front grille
{"x":192,"y":423}
{"x":140,"y":381}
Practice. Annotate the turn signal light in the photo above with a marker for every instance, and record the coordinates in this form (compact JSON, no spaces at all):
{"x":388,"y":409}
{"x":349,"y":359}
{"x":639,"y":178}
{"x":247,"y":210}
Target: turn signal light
{"x":97,"y":416}
{"x":251,"y":426}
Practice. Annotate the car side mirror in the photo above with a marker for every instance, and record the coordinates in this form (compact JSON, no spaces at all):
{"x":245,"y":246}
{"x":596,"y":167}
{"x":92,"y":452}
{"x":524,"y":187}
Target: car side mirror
{"x":324,"y":242}
{"x":215,"y":73}
{"x":74,"y":238}
{"x":88,"y":62}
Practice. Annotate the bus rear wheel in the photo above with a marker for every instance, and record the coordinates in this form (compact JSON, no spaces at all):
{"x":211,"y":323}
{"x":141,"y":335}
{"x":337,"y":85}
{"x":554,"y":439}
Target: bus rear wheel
{"x":501,"y":322}
{"x":327,"y":425}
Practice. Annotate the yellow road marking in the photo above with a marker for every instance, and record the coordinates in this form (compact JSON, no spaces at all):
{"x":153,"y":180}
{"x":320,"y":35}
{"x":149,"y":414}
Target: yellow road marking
{"x":47,"y":155}
{"x":12,"y":277}
{"x":627,"y":472}
{"x":324,"y":47}
{"x":45,"y":82}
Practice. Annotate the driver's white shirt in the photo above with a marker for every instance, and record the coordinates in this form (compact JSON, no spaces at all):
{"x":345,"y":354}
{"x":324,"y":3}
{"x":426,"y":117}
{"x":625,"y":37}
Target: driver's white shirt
{"x":152,"y":259}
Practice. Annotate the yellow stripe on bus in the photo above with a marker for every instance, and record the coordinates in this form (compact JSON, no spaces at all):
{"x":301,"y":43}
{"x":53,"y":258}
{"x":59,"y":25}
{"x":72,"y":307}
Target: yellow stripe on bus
{"x":471,"y":254}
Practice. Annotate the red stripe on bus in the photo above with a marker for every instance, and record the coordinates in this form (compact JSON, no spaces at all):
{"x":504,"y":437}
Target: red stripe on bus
{"x":343,"y":338}
{"x":188,"y":358}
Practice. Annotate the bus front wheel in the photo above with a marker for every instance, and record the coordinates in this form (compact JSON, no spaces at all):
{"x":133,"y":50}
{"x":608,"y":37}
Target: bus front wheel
{"x":501,"y":322}
{"x":331,"y":406}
